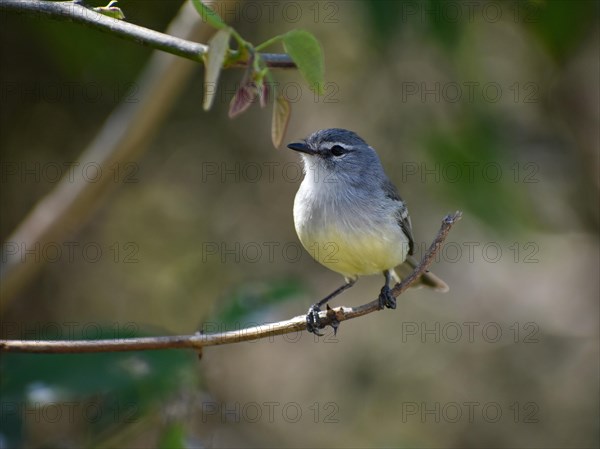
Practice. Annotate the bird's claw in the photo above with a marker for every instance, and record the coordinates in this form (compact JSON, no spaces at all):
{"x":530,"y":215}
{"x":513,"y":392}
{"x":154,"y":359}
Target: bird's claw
{"x":313,"y":320}
{"x":335,"y":324}
{"x":386,"y":299}
{"x":314,"y":323}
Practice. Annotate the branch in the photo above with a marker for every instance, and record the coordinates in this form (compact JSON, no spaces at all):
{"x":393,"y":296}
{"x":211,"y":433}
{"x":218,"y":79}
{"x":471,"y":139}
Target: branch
{"x":199,"y":340}
{"x":74,"y":12}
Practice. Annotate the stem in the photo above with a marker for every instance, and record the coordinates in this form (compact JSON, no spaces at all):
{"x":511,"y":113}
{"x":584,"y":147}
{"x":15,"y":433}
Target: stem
{"x":269,"y":42}
{"x":239,"y":39}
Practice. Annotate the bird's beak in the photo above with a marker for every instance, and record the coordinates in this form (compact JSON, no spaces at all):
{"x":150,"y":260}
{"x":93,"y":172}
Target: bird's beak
{"x":301,"y":147}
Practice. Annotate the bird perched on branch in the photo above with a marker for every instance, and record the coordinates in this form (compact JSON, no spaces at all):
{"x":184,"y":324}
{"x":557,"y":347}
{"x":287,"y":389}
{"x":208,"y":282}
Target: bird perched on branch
{"x":350,"y":217}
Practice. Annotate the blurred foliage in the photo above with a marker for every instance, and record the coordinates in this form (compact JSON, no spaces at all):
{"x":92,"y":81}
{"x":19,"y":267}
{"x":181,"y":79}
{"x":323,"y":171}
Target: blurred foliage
{"x":475,"y":149}
{"x":109,"y":390}
{"x":248,"y":303}
{"x":389,"y":16}
{"x":173,"y":437}
{"x":560,"y":25}
{"x":71,"y":45}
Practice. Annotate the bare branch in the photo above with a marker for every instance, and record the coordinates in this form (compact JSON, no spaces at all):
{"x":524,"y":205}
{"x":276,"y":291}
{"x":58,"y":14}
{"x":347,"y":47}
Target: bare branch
{"x":74,"y":12}
{"x":198,"y":341}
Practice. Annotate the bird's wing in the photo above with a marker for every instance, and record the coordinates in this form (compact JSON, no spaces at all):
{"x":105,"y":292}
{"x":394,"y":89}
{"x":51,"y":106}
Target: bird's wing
{"x":401,"y":212}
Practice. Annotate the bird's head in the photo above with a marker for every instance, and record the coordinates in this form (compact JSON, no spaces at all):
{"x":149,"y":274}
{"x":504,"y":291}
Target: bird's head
{"x":338,"y":154}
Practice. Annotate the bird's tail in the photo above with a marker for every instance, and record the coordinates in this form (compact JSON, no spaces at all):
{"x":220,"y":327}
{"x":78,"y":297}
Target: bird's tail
{"x":428,"y":279}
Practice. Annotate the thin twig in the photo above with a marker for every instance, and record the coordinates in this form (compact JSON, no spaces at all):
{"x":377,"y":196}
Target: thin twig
{"x":74,"y":12}
{"x":198,"y":341}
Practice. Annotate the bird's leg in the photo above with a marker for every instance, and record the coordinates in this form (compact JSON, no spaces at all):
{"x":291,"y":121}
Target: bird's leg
{"x":313,"y":322}
{"x":386,"y":299}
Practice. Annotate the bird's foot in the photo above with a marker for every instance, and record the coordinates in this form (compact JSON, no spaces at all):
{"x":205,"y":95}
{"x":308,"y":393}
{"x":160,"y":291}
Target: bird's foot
{"x":314,"y":323}
{"x":386,"y":299}
{"x":313,"y":320}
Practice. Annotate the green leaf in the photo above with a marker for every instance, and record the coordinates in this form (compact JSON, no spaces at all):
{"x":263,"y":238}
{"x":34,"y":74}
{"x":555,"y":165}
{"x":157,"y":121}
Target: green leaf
{"x":281,"y":118}
{"x":305,"y":50}
{"x":208,"y":15}
{"x":111,"y":11}
{"x":218,"y":46}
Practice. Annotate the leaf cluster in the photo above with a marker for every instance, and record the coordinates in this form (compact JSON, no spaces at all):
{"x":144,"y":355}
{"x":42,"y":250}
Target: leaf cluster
{"x":257,"y":81}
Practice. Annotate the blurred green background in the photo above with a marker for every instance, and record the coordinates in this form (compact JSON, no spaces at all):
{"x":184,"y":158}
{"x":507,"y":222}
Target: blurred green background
{"x":491,"y":107}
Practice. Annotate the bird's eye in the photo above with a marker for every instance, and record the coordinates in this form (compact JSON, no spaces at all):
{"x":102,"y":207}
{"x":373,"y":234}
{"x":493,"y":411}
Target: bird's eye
{"x":337,"y":150}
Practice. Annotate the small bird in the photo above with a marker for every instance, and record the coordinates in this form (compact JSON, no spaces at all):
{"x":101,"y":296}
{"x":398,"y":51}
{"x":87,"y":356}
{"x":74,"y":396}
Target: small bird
{"x":349,"y":216}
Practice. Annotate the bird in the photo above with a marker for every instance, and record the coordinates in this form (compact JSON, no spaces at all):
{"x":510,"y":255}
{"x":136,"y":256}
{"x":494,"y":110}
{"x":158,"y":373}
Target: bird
{"x":349,"y":216}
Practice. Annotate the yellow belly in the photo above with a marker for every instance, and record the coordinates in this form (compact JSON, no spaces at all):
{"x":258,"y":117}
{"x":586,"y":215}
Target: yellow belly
{"x":352,"y":253}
